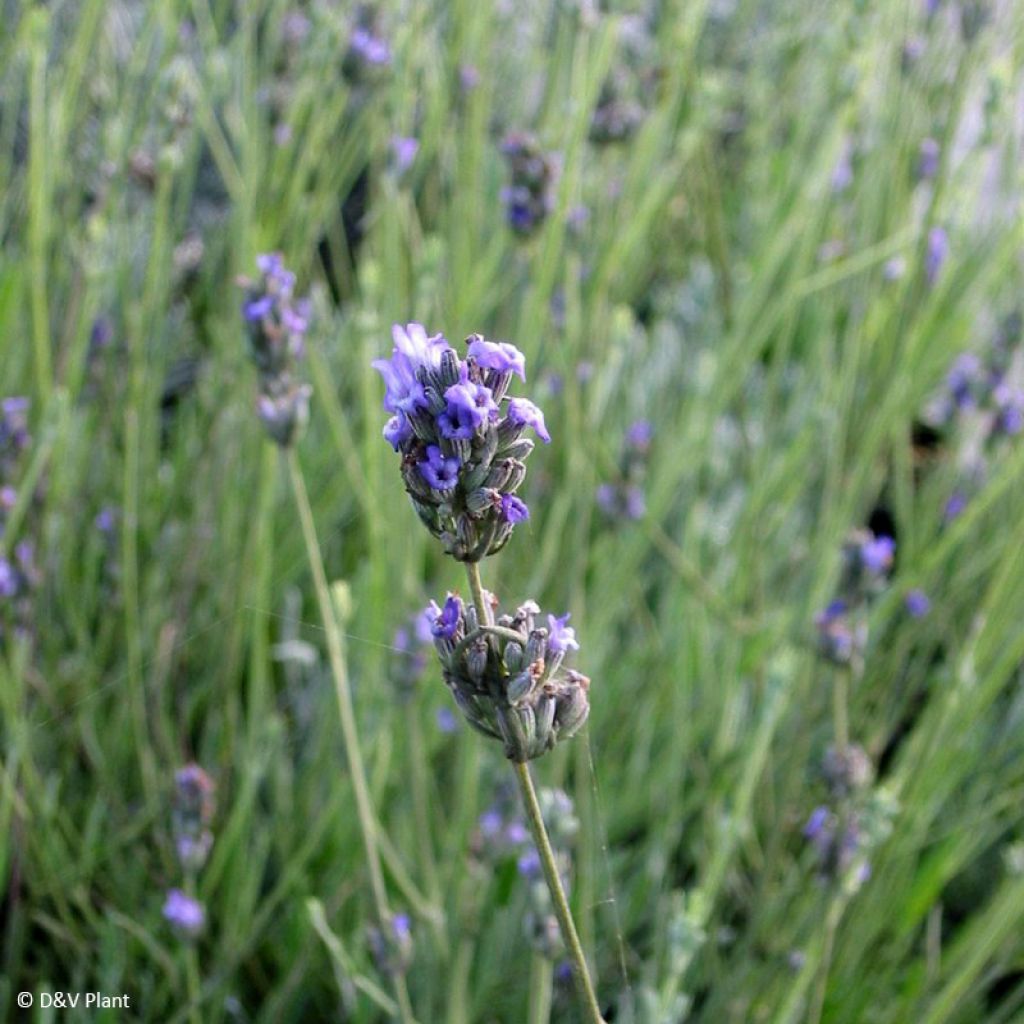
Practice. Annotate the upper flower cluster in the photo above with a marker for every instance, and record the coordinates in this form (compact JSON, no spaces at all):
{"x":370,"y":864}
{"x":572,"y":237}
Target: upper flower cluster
{"x":276,"y":324}
{"x":507,"y":678}
{"x":460,"y":435}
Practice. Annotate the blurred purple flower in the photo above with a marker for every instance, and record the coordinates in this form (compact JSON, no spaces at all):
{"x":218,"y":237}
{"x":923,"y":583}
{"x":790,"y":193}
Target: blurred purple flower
{"x":935,"y":253}
{"x":403,"y":152}
{"x":954,"y":506}
{"x":183,"y":913}
{"x":917,"y":603}
{"x":928,"y":159}
{"x":447,"y":722}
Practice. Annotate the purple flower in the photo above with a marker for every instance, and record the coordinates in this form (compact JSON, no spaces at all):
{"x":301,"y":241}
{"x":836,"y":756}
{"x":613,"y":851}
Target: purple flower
{"x":490,"y":823}
{"x":8,"y":579}
{"x":295,"y":319}
{"x":816,"y":823}
{"x":369,"y":48}
{"x":470,"y":406}
{"x":894,"y":268}
{"x":401,"y":926}
{"x":413,"y":351}
{"x":514,"y":510}
{"x":271,"y":266}
{"x":403,"y":152}
{"x":928,"y":160}
{"x":516,"y":833}
{"x":499,"y":356}
{"x":422,"y":626}
{"x":446,"y":721}
{"x":522,"y":412}
{"x":446,"y":620}
{"x":962,"y":377}
{"x":831,"y":613}
{"x":842,"y":173}
{"x":639,"y":435}
{"x":636,"y":503}
{"x":1010,"y":403}
{"x":836,"y":638}
{"x":607,"y":498}
{"x":876,"y":555}
{"x":439,"y":470}
{"x":917,"y":603}
{"x":397,"y":431}
{"x":270,"y":263}
{"x":935,"y":253}
{"x":184,"y":913}
{"x":956,"y":504}
{"x":8,"y":497}
{"x":105,"y":520}
{"x":258,"y":308}
{"x":528,"y":864}
{"x":561,"y":638}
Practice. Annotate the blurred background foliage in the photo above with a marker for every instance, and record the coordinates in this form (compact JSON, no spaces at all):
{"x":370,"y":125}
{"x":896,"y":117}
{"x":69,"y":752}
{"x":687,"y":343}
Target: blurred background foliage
{"x":770,"y":230}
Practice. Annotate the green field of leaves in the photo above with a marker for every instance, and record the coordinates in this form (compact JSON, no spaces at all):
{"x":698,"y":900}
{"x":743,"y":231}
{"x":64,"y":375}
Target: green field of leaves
{"x":765,"y":262}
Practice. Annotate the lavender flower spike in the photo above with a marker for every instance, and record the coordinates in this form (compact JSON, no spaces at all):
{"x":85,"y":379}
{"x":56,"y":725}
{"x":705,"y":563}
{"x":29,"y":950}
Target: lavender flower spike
{"x":276,"y":325}
{"x":460,"y":436}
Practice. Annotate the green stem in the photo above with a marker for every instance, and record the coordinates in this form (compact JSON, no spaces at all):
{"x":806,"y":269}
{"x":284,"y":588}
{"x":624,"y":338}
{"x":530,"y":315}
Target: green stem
{"x":540,"y":990}
{"x":335,"y":652}
{"x":476,"y":588}
{"x":577,"y":958}
{"x":540,"y":837}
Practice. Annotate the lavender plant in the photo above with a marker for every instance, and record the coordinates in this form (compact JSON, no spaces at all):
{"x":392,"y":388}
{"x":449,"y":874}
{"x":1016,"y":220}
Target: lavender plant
{"x":460,"y":436}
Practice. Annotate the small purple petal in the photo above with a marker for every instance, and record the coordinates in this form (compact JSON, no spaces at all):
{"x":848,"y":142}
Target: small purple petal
{"x":499,"y":356}
{"x":522,"y":412}
{"x":513,"y":509}
{"x":561,"y":638}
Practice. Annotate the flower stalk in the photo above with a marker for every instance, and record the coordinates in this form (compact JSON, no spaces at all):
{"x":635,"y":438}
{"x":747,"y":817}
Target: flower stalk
{"x":346,"y":710}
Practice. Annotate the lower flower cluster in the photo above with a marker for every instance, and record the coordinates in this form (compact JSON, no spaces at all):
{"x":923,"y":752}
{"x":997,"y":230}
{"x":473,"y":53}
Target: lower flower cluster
{"x":508,"y":679}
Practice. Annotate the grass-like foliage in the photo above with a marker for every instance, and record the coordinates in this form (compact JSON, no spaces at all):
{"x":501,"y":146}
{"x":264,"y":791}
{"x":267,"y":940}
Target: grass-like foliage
{"x":763,"y":261}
